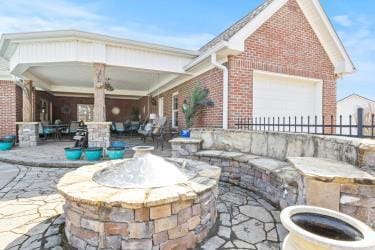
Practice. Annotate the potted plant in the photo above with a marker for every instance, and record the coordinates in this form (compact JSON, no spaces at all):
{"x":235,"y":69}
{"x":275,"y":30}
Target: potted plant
{"x":93,"y":153}
{"x":73,"y":153}
{"x":191,"y":108}
{"x":6,"y":144}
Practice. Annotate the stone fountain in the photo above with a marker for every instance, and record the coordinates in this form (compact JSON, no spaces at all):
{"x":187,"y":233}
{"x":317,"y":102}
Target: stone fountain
{"x":144,"y":202}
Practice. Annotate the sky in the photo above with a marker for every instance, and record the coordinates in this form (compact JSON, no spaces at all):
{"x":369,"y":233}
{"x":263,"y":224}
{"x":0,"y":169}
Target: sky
{"x":190,"y":24}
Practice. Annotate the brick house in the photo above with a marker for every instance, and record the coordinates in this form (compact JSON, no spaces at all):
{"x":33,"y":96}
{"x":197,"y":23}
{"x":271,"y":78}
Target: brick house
{"x":281,"y":59}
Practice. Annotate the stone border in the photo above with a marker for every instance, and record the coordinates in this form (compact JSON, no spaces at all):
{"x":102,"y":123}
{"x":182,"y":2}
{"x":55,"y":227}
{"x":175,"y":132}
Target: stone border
{"x":78,"y":186}
{"x":275,"y":180}
{"x":182,"y":147}
{"x":179,"y":215}
{"x":280,"y":145}
{"x":42,"y":164}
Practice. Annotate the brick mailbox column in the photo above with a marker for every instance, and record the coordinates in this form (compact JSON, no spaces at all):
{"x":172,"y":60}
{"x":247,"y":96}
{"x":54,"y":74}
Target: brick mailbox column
{"x":185,"y":147}
{"x":28,"y":134}
{"x":99,"y":134}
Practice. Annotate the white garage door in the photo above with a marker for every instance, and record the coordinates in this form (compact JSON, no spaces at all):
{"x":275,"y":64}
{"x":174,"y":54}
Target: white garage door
{"x":277,"y":95}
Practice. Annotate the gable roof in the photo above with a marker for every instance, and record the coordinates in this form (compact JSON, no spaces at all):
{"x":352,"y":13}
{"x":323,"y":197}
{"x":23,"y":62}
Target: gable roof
{"x":356,"y":95}
{"x":234,"y":28}
{"x":315,"y":15}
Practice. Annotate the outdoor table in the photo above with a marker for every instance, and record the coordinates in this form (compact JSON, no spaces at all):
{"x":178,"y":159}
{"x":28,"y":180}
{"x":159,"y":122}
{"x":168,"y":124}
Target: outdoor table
{"x":58,"y":128}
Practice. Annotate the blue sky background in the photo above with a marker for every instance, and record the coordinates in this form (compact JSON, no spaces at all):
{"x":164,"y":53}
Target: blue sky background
{"x":190,"y":24}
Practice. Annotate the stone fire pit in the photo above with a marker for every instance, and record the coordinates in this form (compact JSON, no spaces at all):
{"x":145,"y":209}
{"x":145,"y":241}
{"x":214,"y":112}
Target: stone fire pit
{"x":136,"y":210}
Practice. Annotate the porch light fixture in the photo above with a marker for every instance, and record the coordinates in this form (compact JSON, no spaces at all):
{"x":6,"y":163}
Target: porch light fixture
{"x":107,"y":85}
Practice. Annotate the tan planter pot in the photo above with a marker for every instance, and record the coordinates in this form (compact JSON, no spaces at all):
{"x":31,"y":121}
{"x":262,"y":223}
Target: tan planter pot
{"x":315,"y":228}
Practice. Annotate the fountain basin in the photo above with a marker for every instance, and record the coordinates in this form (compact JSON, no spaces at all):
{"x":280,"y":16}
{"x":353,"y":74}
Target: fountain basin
{"x":315,"y":228}
{"x":102,"y":215}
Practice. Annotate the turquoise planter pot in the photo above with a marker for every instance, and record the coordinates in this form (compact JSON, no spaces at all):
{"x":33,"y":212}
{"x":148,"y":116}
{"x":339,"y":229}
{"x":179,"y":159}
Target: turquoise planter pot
{"x":118,"y":144}
{"x":93,"y":154}
{"x":12,"y":137}
{"x":6,"y":144}
{"x":73,"y":154}
{"x":115,"y":153}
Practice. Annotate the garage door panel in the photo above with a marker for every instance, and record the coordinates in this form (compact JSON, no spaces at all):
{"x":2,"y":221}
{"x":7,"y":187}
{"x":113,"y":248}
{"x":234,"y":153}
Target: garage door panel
{"x":279,"y":96}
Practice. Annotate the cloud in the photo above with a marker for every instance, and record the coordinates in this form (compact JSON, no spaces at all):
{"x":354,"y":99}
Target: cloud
{"x":359,"y":40}
{"x":343,"y":20}
{"x":39,"y":15}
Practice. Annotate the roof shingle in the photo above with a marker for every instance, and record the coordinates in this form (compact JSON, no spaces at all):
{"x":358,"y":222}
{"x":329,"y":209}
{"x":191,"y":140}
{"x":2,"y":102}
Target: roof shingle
{"x":228,"y":33}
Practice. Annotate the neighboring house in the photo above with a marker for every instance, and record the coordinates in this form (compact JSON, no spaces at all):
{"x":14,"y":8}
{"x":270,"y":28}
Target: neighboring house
{"x":348,"y":106}
{"x":281,"y":59}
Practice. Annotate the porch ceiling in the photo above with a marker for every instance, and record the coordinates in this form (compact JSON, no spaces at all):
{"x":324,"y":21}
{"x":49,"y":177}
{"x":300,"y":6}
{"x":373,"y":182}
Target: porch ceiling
{"x":78,"y":78}
{"x":62,"y":61}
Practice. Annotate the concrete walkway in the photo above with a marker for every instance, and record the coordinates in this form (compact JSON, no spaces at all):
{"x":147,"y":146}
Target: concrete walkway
{"x":30,"y":213}
{"x":51,"y":153}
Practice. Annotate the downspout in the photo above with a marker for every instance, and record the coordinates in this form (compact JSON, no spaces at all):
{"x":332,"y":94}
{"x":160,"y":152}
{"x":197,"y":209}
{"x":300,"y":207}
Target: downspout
{"x":225,"y":88}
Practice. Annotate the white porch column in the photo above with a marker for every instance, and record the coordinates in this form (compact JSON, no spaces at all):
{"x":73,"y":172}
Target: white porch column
{"x":99,"y":129}
{"x":28,"y":130}
{"x":27,"y":102}
{"x":99,"y":93}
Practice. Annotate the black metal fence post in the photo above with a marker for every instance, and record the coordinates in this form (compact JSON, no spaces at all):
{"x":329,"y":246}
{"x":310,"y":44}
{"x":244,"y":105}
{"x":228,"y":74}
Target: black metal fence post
{"x":360,"y":122}
{"x":362,"y":127}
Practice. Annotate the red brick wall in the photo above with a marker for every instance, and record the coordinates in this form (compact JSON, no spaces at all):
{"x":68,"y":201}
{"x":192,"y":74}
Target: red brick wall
{"x":125,"y":106}
{"x":19,"y":113}
{"x":285,"y":44}
{"x":211,"y":116}
{"x":8,"y":115}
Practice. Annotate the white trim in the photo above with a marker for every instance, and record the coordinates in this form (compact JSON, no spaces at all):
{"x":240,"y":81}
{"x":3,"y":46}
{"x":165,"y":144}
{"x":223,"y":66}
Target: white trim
{"x":174,"y":110}
{"x":348,"y":64}
{"x":238,"y":39}
{"x":83,"y":90}
{"x":261,"y":73}
{"x":225,"y":88}
{"x":7,"y":39}
{"x":206,"y":54}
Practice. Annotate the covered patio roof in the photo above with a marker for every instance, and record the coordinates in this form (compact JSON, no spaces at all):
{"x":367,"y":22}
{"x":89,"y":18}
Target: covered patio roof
{"x":61,"y":62}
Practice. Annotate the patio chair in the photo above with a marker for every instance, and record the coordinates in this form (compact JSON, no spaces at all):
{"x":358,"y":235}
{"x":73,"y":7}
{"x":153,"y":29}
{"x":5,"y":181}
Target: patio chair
{"x":145,"y":130}
{"x":71,"y":129}
{"x":113,"y":127}
{"x":134,"y":126}
{"x":127,"y":125}
{"x":44,"y":131}
{"x":158,"y":132}
{"x":120,"y":128}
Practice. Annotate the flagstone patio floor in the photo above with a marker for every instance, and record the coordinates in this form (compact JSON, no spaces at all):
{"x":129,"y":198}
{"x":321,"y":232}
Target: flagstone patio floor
{"x":31,"y":213}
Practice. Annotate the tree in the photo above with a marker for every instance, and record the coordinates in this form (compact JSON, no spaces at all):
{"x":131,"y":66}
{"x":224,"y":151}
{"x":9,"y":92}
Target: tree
{"x":197,"y":101}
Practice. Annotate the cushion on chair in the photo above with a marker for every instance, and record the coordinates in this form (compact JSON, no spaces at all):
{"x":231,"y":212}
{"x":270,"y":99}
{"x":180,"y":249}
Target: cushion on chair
{"x":156,"y":130}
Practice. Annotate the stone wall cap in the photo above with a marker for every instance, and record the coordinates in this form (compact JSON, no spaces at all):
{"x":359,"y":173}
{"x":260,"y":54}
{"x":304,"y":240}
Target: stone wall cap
{"x":186,"y":140}
{"x":79,"y":186}
{"x":27,"y":123}
{"x":328,"y":170}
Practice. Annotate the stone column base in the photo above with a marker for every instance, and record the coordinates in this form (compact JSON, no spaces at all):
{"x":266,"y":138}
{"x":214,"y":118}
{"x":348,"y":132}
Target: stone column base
{"x":28,"y":134}
{"x":185,"y":147}
{"x":99,"y":134}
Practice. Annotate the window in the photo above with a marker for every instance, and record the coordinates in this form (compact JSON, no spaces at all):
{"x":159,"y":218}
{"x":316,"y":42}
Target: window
{"x":175,"y":110}
{"x":85,"y":112}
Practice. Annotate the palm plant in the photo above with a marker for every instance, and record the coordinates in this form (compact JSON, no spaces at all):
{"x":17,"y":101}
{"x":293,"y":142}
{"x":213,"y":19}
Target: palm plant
{"x":198,"y":100}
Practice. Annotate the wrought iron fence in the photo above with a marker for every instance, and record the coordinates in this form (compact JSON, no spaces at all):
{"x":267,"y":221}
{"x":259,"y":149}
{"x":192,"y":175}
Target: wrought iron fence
{"x":360,"y":125}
